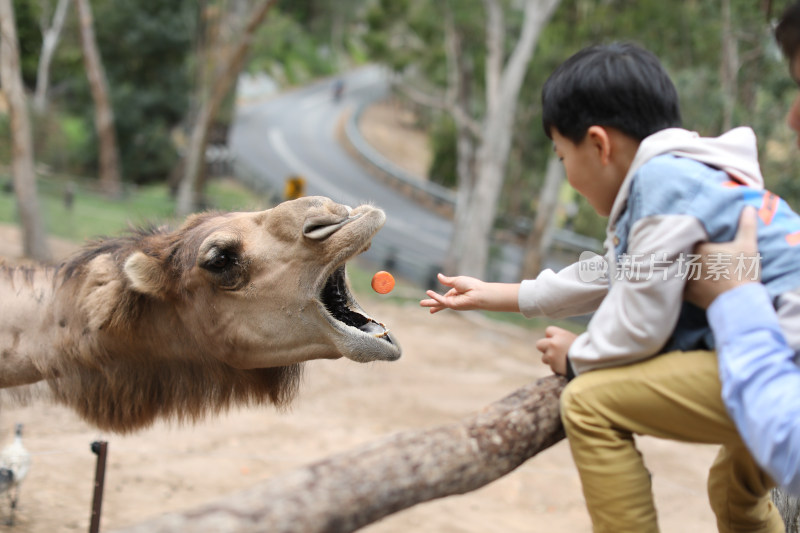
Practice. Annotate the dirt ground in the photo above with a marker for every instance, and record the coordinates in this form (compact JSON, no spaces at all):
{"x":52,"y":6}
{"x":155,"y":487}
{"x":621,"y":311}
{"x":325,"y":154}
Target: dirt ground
{"x":453,"y":364}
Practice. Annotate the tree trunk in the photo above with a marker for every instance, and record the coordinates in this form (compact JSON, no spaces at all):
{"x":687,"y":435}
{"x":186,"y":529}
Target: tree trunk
{"x":460,"y":78}
{"x":729,"y":67}
{"x":540,"y":237}
{"x":34,"y":241}
{"x":350,"y":490}
{"x":502,"y":91}
{"x":50,"y":37}
{"x":110,"y":179}
{"x":209,"y":102}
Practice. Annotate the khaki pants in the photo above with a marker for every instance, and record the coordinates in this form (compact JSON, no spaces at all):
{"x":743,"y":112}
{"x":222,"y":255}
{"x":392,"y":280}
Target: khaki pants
{"x":672,"y":396}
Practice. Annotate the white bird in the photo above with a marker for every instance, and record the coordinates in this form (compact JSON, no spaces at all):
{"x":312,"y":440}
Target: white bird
{"x":15,"y":462}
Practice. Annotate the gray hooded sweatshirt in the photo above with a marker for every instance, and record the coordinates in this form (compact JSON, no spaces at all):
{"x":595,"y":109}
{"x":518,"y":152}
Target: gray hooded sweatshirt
{"x":680,"y":190}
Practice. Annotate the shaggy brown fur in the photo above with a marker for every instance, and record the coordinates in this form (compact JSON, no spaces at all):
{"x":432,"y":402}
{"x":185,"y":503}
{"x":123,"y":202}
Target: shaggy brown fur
{"x":178,"y":324}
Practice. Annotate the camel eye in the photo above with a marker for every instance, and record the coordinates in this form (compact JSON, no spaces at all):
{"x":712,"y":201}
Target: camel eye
{"x":220,"y":261}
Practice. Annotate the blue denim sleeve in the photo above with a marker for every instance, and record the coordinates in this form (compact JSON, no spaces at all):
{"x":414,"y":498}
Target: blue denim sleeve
{"x":760,"y":381}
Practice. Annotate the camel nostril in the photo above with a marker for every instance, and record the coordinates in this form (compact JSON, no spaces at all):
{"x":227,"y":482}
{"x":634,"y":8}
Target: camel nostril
{"x":319,"y":228}
{"x":323,"y":226}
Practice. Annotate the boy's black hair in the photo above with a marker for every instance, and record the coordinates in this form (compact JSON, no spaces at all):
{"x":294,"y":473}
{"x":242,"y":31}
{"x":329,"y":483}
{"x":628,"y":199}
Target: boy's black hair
{"x":618,"y":85}
{"x":787,"y":32}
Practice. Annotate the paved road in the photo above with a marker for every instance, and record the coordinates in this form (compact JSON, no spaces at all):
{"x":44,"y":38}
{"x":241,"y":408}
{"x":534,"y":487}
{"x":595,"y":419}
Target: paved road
{"x":294,"y":133}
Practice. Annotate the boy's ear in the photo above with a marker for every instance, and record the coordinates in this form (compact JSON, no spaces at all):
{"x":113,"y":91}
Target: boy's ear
{"x":600,"y":139}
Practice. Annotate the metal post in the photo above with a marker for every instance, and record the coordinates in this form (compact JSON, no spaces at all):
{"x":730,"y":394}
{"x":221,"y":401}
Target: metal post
{"x":99,"y":448}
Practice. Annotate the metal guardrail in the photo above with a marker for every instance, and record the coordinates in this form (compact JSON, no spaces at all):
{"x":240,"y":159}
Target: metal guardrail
{"x":422,"y":190}
{"x":433,"y":193}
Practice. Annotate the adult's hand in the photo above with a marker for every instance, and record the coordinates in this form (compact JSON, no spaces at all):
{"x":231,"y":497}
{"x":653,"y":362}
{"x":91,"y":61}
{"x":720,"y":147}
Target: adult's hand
{"x":727,"y":265}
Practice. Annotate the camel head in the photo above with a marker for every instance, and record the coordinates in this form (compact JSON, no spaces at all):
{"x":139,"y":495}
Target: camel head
{"x":268,"y":288}
{"x":179,"y":323}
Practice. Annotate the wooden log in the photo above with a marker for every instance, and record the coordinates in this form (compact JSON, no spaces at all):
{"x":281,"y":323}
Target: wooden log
{"x":349,"y":490}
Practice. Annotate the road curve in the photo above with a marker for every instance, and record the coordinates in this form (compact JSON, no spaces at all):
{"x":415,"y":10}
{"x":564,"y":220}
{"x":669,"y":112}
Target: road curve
{"x":295,"y":133}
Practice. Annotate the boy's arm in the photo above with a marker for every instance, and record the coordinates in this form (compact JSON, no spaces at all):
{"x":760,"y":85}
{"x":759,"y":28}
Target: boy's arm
{"x":572,"y":291}
{"x":760,"y":382}
{"x":641,"y":310}
{"x":556,"y":295}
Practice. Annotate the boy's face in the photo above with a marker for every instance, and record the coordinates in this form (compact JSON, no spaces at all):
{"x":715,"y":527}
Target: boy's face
{"x":793,"y":116}
{"x":588,"y":171}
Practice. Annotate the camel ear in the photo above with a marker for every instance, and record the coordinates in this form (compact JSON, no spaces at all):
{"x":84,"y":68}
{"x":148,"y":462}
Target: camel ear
{"x":145,"y":274}
{"x":102,"y":291}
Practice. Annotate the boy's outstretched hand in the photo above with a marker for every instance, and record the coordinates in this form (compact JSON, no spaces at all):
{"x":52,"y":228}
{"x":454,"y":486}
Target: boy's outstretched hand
{"x":554,"y":347}
{"x":464,"y":294}
{"x":468,"y":293}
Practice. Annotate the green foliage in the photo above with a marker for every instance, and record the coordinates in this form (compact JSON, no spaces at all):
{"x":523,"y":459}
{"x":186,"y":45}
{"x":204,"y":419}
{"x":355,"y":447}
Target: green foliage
{"x":30,"y":38}
{"x":146,"y":45}
{"x":92,"y":214}
{"x":408,"y":37}
{"x":62,"y":141}
{"x":147,"y":50}
{"x":287,"y":52}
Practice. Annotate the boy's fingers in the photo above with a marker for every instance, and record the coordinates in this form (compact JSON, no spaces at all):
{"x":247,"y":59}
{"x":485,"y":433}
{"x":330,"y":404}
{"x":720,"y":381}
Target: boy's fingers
{"x":552,"y":330}
{"x":434,"y":300}
{"x":445,"y":280}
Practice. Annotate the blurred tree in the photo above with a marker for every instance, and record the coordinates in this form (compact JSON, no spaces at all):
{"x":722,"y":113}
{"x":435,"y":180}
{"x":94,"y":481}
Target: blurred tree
{"x":541,"y":234}
{"x":28,"y":37}
{"x":51,"y":33}
{"x":34,"y":242}
{"x":690,"y":43}
{"x":400,"y":31}
{"x":328,"y":21}
{"x":110,"y":179}
{"x":233,"y":43}
{"x":148,"y":51}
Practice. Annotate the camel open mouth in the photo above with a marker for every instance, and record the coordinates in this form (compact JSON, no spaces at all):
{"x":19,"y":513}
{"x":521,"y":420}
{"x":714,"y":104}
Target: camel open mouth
{"x":339,"y":302}
{"x":343,"y":309}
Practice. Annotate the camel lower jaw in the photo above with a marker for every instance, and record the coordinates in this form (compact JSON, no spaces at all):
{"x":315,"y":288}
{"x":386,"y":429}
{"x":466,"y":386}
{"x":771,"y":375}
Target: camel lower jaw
{"x":362,"y":337}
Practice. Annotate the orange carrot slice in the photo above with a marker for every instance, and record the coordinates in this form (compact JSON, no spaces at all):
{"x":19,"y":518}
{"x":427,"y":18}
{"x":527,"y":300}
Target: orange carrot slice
{"x":382,"y":282}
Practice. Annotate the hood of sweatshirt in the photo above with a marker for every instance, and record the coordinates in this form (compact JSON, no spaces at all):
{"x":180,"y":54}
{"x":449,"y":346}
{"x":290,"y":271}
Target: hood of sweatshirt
{"x":735,"y":152}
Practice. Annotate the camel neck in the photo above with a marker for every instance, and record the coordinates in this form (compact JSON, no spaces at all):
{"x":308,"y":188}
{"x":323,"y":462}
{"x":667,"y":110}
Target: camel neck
{"x":26,"y":328}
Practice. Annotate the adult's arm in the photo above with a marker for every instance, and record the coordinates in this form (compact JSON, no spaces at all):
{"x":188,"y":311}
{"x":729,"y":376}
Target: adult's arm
{"x":760,"y":381}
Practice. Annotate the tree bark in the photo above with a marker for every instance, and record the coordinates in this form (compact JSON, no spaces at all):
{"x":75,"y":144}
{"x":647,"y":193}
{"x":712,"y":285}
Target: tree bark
{"x":350,"y":490}
{"x":457,"y":101}
{"x":503,"y":83}
{"x":34,"y":241}
{"x":50,"y":36}
{"x":540,"y":237}
{"x":209,"y":102}
{"x":110,"y":179}
{"x":729,"y":67}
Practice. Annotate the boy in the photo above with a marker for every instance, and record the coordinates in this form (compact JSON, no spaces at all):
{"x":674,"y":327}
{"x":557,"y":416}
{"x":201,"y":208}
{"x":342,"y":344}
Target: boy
{"x":612,"y":113}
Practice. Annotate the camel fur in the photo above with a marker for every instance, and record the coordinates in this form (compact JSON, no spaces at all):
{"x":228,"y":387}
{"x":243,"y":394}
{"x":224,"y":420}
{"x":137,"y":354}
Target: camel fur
{"x":177,"y":324}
